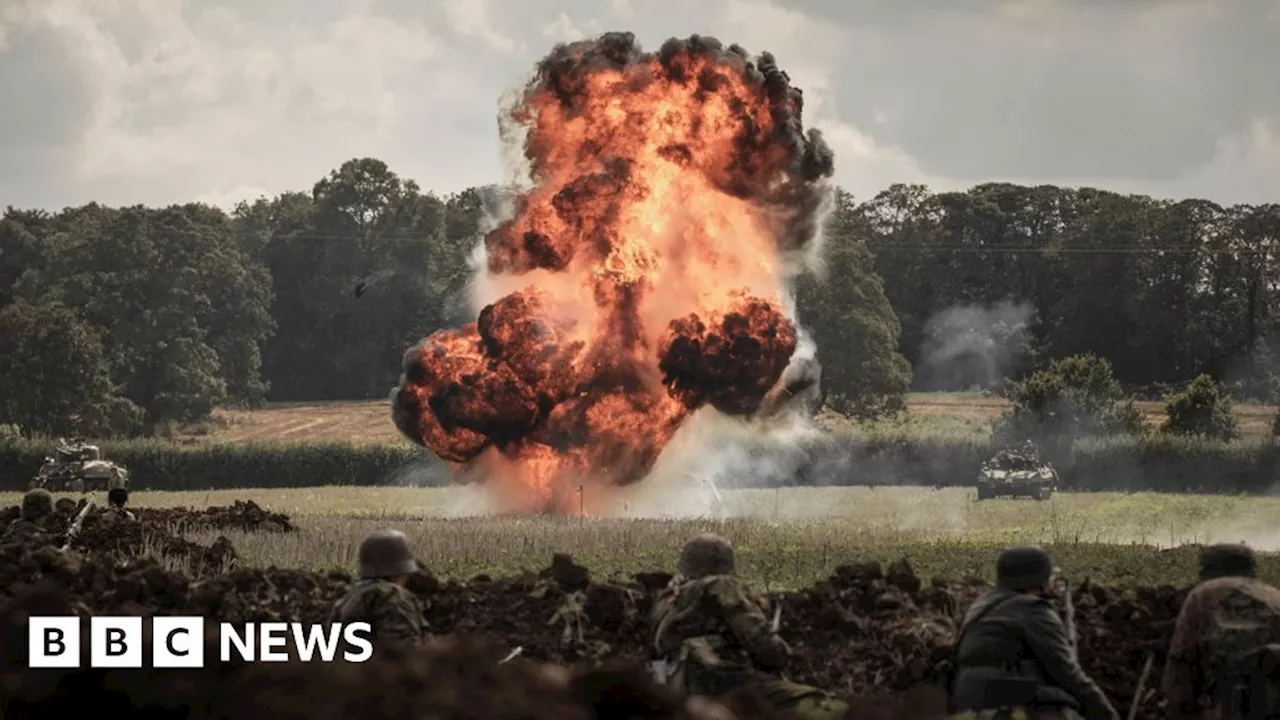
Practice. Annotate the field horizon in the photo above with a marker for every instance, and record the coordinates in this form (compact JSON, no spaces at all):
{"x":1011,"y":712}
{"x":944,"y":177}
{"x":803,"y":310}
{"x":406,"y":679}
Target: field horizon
{"x":785,"y":538}
{"x":369,"y":421}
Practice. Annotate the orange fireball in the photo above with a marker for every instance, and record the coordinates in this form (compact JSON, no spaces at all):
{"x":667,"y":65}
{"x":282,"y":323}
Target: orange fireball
{"x":646,"y":268}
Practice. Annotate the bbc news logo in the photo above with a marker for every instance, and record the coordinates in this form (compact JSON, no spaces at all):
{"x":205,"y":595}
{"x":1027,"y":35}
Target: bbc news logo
{"x":179,"y":642}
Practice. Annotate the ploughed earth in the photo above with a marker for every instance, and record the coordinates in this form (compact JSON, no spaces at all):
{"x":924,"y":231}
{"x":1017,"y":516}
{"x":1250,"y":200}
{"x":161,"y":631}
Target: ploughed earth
{"x":873,"y":635}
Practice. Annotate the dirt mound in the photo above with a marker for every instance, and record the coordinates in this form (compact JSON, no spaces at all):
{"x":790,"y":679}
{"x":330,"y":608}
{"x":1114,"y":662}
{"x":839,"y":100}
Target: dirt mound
{"x":118,"y":541}
{"x":244,"y":515}
{"x":158,"y":532}
{"x":866,"y":632}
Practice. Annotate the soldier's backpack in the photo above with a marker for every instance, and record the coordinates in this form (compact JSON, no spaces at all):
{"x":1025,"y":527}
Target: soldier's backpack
{"x":1240,"y":653}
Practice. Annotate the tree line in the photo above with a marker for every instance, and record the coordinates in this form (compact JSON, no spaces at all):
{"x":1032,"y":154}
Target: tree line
{"x":1000,"y":279}
{"x":133,"y":320}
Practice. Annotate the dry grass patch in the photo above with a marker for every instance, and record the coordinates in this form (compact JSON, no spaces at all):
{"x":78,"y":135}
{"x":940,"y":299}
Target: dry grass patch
{"x":773,"y":555}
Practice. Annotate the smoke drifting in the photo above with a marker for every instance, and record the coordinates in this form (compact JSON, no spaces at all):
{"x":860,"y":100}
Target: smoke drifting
{"x":973,"y":345}
{"x":646,"y":271}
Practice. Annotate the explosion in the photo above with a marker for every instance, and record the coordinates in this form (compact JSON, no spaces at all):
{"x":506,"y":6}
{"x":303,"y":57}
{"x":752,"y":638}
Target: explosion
{"x":645,"y":270}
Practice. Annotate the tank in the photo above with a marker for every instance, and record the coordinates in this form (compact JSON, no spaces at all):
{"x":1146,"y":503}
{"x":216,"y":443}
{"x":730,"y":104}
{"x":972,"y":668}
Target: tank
{"x":1017,"y":471}
{"x":77,"y":466}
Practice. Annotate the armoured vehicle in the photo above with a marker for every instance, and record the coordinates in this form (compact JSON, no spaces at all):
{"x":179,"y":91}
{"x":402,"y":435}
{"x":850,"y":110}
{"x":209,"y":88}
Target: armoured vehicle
{"x":78,"y":467}
{"x":1017,"y":472}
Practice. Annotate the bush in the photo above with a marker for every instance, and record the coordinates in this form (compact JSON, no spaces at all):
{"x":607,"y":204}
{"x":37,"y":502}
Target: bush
{"x":1075,"y":397}
{"x":1202,"y":409}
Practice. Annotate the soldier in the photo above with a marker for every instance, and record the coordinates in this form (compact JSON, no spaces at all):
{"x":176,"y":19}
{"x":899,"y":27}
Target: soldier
{"x":379,"y":597}
{"x":1226,"y":643}
{"x":36,"y":506}
{"x":1013,"y":656}
{"x":716,"y":638}
{"x":116,"y":499}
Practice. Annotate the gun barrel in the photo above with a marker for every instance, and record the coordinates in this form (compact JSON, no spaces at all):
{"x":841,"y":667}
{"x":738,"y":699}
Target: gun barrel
{"x":76,"y":523}
{"x":1142,"y":685}
{"x":1071,"y":616}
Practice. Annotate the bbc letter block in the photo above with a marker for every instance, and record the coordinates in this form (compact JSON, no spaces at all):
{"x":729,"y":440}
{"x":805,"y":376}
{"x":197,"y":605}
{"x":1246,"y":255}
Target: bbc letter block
{"x":115,"y":642}
{"x":54,"y":642}
{"x":177,"y":642}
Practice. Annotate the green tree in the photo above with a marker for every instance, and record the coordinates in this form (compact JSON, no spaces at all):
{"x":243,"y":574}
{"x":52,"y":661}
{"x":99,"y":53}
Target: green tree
{"x":54,"y":375}
{"x":362,"y":268}
{"x":1165,"y":290}
{"x":856,"y":331}
{"x":1201,"y":409}
{"x":903,"y":233}
{"x":1073,"y":398}
{"x":234,"y":294}
{"x":178,"y":308}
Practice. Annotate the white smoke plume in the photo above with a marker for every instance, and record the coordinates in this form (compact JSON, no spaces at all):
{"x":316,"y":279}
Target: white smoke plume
{"x":974,"y":345}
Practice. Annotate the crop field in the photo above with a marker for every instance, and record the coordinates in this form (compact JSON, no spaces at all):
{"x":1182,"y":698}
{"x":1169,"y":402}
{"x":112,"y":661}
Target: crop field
{"x":786,"y":538}
{"x":370,"y":420}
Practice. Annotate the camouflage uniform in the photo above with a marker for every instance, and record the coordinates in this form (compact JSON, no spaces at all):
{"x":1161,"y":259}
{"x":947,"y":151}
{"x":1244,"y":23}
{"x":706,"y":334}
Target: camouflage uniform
{"x":1013,"y":657}
{"x":395,"y":614}
{"x":715,"y":634}
{"x":36,"y":505}
{"x":1226,"y":643}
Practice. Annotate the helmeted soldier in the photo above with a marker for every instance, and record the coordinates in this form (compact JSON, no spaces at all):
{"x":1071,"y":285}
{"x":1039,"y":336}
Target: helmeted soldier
{"x":1013,"y":656}
{"x":379,"y":597}
{"x":1225,"y":650}
{"x":117,"y":497}
{"x":37,"y":505}
{"x":713,"y":637}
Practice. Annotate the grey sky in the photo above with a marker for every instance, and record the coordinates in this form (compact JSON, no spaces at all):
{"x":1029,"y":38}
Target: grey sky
{"x":159,"y":101}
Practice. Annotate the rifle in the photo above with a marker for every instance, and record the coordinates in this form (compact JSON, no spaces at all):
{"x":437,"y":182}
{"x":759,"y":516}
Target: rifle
{"x":1071,"y":617}
{"x":1142,"y":685}
{"x":75,"y":524}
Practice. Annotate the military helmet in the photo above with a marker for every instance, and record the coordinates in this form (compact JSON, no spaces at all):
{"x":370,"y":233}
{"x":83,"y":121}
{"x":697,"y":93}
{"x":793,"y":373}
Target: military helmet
{"x":386,"y":553}
{"x":707,"y":554}
{"x":37,"y":503}
{"x":1023,"y":568}
{"x":117,"y":496}
{"x":1227,"y":561}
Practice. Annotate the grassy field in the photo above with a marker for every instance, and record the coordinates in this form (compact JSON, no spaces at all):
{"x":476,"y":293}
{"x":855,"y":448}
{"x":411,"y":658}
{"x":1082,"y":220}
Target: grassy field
{"x":785,"y":538}
{"x":370,"y":421}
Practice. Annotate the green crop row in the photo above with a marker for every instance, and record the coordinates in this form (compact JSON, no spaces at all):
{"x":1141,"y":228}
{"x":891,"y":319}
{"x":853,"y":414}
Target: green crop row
{"x":1123,"y":463}
{"x":160,"y":465}
{"x":1160,"y":464}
